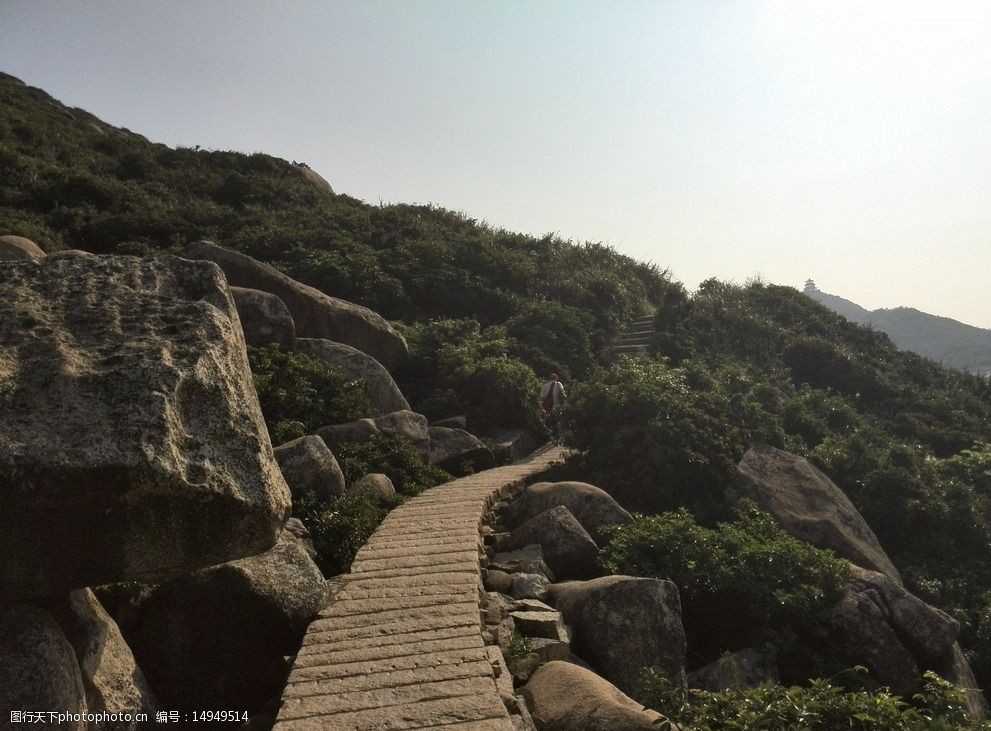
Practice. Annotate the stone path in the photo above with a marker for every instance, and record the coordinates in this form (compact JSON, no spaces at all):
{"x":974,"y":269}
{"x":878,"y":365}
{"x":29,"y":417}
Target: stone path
{"x":637,"y":337}
{"x":400,"y":646}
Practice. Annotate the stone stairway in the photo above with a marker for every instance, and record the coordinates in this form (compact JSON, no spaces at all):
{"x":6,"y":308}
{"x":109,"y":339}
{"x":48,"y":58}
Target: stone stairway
{"x":400,"y":646}
{"x":637,"y":337}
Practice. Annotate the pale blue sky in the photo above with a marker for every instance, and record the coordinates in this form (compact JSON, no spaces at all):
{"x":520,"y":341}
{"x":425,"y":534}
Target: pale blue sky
{"x":845,"y":141}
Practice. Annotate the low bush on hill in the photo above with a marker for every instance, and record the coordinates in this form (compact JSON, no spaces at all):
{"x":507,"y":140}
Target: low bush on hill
{"x":392,"y":456}
{"x":299,"y":393}
{"x":742,"y":583}
{"x":821,"y":706}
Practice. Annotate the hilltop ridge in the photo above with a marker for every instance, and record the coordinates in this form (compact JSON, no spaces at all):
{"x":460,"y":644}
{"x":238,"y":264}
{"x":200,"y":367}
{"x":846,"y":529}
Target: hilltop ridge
{"x":942,"y":339}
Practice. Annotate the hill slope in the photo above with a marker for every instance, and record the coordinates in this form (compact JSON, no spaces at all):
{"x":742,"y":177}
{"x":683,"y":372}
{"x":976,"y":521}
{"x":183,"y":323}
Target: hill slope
{"x":942,"y":339}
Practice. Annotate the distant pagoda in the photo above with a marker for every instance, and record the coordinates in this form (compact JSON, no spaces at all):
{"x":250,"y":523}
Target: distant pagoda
{"x":810,"y":286}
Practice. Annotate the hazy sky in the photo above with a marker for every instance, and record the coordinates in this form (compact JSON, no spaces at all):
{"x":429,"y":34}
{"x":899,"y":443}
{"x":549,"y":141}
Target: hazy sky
{"x":849,"y":142}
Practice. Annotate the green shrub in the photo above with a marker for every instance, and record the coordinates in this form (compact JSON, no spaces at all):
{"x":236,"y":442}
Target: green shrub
{"x":659,"y":438}
{"x":299,"y":393}
{"x":822,"y":706}
{"x":392,"y":456}
{"x":340,"y":526}
{"x":742,"y":583}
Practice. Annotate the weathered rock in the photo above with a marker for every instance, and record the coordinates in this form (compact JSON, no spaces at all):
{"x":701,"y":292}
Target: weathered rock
{"x":315,"y":314}
{"x":70,"y":254}
{"x":927,"y":632}
{"x":591,"y":506}
{"x":510,"y":445}
{"x":376,"y":485}
{"x":219,"y":638}
{"x":568,"y":549}
{"x":313,"y":177}
{"x":264,"y":318}
{"x":405,"y":424}
{"x":18,"y":248}
{"x":381,"y":389}
{"x":624,"y":624}
{"x":452,"y":422}
{"x":295,"y":527}
{"x":809,"y":506}
{"x":451,"y":449}
{"x":539,"y":624}
{"x":565,"y":697}
{"x":309,"y":467}
{"x":954,"y":667}
{"x":39,"y":671}
{"x":111,"y":678}
{"x":132,"y":445}
{"x":496,"y":580}
{"x":529,"y":586}
{"x":526,"y":560}
{"x":866,"y":637}
{"x":741,"y":670}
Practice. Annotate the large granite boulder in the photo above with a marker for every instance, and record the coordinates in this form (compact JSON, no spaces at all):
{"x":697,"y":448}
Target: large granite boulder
{"x":18,"y":248}
{"x":313,"y":177}
{"x":381,"y":389}
{"x":739,"y":670}
{"x":809,"y":506}
{"x":404,"y":424}
{"x":316,"y":314}
{"x":38,"y":671}
{"x":623,"y":624}
{"x":927,"y":632}
{"x":264,"y":318}
{"x":510,"y":445}
{"x":864,"y":635}
{"x":563,"y":696}
{"x":568,"y":549}
{"x":591,"y":506}
{"x":451,"y":449}
{"x":221,"y":637}
{"x":111,"y":677}
{"x":954,"y":667}
{"x":132,"y":446}
{"x":375,"y":485}
{"x":310,"y":468}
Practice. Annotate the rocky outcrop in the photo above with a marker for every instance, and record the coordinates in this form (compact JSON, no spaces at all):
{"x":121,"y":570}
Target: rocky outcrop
{"x":376,"y":486}
{"x":740,"y":670}
{"x":220,"y":637}
{"x":404,"y":424}
{"x":562,"y":696}
{"x":624,"y":624}
{"x":315,"y":314}
{"x":132,"y":445}
{"x":309,"y":467}
{"x":568,"y":549}
{"x":864,"y":634}
{"x":18,"y":248}
{"x":381,"y":389}
{"x":954,"y":667}
{"x":510,"y":445}
{"x":809,"y":506}
{"x":927,"y":632}
{"x":451,"y":449}
{"x":39,"y":671}
{"x":591,"y":506}
{"x":264,"y":318}
{"x":111,"y":678}
{"x":313,"y":177}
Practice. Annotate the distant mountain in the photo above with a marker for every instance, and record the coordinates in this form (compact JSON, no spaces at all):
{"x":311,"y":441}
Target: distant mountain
{"x":941,"y":339}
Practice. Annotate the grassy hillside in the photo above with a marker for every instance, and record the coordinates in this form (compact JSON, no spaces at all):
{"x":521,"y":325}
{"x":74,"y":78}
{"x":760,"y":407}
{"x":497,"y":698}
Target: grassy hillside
{"x":486,"y":310}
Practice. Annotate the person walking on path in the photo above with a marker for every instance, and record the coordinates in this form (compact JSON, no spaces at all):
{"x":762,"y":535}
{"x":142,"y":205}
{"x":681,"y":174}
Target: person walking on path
{"x":552,"y":395}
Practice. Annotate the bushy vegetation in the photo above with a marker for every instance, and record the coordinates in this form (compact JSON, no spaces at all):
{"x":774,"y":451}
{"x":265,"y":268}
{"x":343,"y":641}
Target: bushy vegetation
{"x":488,"y":313}
{"x":392,"y":456}
{"x":742,"y":583}
{"x":822,"y":705}
{"x":299,"y":393}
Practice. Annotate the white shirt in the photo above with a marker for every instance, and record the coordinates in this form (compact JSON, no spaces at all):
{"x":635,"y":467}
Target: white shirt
{"x":556,"y":389}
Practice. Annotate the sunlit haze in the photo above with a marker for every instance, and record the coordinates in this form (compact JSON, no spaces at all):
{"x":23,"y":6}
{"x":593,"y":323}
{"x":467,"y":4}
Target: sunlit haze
{"x":843,"y":141}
